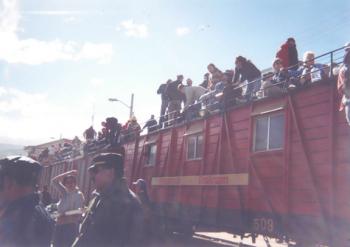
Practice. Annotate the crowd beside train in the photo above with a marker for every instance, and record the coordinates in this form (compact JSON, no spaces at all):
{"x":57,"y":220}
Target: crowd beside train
{"x":116,"y":216}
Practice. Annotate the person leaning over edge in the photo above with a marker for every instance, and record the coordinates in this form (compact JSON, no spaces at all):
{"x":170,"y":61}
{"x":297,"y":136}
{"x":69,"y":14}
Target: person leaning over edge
{"x":114,"y":216}
{"x":23,"y":221}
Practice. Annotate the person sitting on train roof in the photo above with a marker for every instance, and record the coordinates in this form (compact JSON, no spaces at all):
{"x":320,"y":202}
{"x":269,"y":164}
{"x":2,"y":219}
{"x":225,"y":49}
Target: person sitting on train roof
{"x":191,"y":94}
{"x":205,"y":80}
{"x":228,"y":75}
{"x":246,"y":70}
{"x":268,"y":86}
{"x":281,"y":76}
{"x":76,"y":142}
{"x":44,"y":155}
{"x":288,"y":54}
{"x":175,"y":99}
{"x":151,"y":124}
{"x":312,"y":71}
{"x":209,"y":100}
{"x":215,"y":76}
{"x":344,"y":86}
{"x":133,"y":129}
{"x":113,"y":130}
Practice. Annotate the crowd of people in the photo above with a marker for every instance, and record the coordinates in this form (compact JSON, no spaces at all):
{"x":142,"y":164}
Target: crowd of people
{"x":116,"y":216}
{"x":59,"y":152}
{"x":183,"y":101}
{"x":242,"y":84}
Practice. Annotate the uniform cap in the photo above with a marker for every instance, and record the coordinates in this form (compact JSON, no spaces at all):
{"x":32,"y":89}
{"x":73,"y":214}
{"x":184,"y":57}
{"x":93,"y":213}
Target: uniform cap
{"x":108,"y":161}
{"x":19,"y":163}
{"x":23,"y":169}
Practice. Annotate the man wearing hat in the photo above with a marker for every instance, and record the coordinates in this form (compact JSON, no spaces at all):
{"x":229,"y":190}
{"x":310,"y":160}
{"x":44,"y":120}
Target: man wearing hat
{"x":23,"y":222}
{"x":114,"y":216}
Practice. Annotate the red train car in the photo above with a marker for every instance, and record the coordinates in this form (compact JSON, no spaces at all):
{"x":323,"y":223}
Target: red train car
{"x":279,"y":167}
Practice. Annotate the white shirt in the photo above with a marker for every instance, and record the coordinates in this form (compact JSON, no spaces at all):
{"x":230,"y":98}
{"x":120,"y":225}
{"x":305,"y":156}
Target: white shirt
{"x":192,"y":94}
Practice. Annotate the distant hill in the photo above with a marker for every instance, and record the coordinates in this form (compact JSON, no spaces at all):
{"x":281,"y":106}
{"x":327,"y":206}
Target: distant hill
{"x":10,"y":149}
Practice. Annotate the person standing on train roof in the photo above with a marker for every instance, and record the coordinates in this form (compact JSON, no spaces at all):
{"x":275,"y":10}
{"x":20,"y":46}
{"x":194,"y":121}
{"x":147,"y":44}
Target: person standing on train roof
{"x":151,"y":124}
{"x":191,"y":94}
{"x":164,"y":98}
{"x":175,"y":99}
{"x":344,"y":86}
{"x":23,"y":220}
{"x":246,"y":70}
{"x":114,"y":216}
{"x":189,"y":82}
{"x":288,"y":53}
{"x":69,"y":208}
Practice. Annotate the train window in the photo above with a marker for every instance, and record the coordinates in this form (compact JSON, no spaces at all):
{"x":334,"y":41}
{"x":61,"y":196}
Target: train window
{"x":151,"y":152}
{"x":194,"y":147}
{"x":269,"y":132}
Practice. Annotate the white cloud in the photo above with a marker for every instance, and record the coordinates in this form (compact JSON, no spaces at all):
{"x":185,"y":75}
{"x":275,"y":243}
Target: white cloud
{"x":33,"y":51}
{"x":33,"y":117}
{"x":182,"y":31}
{"x":132,"y":29}
{"x":21,"y":103}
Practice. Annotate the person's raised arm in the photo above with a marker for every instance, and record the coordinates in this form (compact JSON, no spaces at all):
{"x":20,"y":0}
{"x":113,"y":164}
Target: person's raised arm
{"x":57,"y":181}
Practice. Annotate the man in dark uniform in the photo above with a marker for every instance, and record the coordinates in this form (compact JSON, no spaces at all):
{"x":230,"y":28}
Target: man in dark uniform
{"x":114,"y":216}
{"x":23,"y":222}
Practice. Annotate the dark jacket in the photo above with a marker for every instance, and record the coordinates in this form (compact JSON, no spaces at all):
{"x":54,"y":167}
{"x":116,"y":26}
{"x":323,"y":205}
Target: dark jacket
{"x":172,"y":92}
{"x":293,"y":57}
{"x":114,"y":218}
{"x":25,"y":223}
{"x":162,"y":91}
{"x":151,"y":125}
{"x":280,"y":78}
{"x":247,"y":72}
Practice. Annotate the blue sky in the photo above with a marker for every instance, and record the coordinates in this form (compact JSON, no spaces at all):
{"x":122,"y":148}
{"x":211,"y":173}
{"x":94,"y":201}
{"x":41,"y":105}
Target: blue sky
{"x":61,"y":60}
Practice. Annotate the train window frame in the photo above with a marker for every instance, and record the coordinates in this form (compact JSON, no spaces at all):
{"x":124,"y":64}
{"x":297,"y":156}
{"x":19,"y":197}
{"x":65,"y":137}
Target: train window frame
{"x":198,"y":152}
{"x":151,"y":159}
{"x":268,"y":147}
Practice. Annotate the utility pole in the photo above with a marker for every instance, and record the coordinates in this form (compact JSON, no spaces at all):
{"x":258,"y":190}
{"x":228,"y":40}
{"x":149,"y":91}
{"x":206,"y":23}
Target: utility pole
{"x":131,"y":106}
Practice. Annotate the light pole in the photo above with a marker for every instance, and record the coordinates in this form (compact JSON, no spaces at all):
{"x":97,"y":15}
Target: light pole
{"x":131,"y":107}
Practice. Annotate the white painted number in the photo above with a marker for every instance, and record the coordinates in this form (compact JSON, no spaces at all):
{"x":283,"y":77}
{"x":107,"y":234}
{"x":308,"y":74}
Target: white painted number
{"x":263,"y":225}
